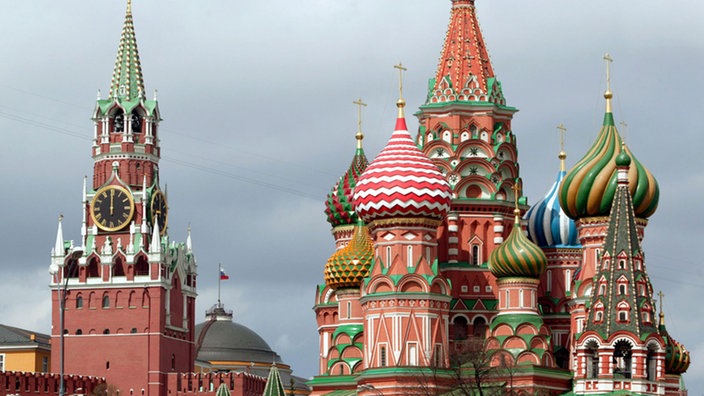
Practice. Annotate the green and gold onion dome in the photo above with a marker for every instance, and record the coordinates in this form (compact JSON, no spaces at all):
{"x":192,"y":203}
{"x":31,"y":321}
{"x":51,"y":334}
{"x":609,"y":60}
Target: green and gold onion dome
{"x":589,"y":187}
{"x":348,"y":266}
{"x":677,"y":357}
{"x":517,"y":256}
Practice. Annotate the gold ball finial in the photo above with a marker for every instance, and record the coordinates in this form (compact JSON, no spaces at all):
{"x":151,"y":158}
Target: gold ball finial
{"x":562,"y":156}
{"x":608,"y":94}
{"x":400,"y":103}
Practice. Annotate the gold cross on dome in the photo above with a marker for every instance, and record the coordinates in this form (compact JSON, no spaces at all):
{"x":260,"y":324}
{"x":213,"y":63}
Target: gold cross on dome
{"x":359,"y":104}
{"x":661,"y":295}
{"x":516,"y":192}
{"x":563,"y":130}
{"x":608,"y":60}
{"x":401,"y":69}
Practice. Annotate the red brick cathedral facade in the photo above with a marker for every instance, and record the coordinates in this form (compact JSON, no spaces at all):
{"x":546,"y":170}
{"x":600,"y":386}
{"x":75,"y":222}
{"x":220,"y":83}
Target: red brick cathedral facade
{"x":443,"y":279}
{"x":129,"y":291}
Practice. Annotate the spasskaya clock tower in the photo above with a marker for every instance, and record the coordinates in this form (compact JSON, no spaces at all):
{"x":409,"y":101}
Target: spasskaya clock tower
{"x":129,"y":291}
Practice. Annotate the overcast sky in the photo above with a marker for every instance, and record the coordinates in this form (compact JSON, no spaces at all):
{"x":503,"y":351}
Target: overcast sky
{"x":259,"y":123}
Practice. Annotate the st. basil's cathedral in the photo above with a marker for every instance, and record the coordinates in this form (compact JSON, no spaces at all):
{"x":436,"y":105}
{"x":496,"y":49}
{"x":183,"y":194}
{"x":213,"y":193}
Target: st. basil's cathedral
{"x":445,"y":281}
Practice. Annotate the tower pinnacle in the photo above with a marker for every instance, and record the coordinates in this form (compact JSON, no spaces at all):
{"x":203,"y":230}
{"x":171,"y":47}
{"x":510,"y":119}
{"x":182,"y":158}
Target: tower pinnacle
{"x":563,"y":155}
{"x":127,"y":81}
{"x":359,"y":136}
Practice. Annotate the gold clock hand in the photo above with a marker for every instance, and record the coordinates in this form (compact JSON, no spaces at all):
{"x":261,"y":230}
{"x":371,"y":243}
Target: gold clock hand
{"x":112,"y":195}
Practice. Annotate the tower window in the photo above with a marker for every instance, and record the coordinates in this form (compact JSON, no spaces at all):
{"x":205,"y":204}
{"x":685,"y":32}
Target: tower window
{"x":475,"y":259}
{"x":106,"y":331}
{"x":622,"y":289}
{"x":79,"y":302}
{"x":622,"y":264}
{"x":106,"y":301}
{"x":382,"y":356}
{"x":412,"y":354}
{"x":409,"y":252}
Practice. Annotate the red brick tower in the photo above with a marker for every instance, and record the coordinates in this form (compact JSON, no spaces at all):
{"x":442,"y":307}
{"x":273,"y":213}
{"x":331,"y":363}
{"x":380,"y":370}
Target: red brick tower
{"x":465,"y":128}
{"x":130,"y":296}
{"x":405,"y":300}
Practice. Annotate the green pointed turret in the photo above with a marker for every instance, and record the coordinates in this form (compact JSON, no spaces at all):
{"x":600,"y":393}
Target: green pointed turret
{"x":274,"y":386}
{"x":127,"y":82}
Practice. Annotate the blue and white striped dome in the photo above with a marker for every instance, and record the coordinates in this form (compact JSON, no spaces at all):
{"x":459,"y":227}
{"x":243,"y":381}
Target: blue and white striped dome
{"x":548,"y":225}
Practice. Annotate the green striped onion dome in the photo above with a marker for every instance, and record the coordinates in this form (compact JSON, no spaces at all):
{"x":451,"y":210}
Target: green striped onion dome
{"x":338,"y":206}
{"x":589,"y":187}
{"x":517,"y":256}
{"x":348,"y":266}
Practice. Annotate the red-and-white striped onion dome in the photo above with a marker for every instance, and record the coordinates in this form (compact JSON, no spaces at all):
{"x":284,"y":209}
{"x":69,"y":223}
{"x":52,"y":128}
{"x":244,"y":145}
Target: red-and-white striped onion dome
{"x":401,"y":182}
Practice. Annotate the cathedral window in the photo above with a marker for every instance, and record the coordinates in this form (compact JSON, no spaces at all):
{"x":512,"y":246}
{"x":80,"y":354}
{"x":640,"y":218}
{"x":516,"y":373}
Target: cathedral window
{"x":106,"y":331}
{"x":479,"y":327}
{"x":592,"y":366}
{"x":622,"y":359}
{"x":548,"y":285}
{"x":475,"y":258}
{"x":651,"y":365}
{"x":460,"y":328}
{"x":599,"y":317}
{"x":622,"y":264}
{"x":409,"y":258}
{"x":388,"y":256}
{"x":412,"y":354}
{"x":79,"y":331}
{"x":447,"y":136}
{"x":437,"y":356}
{"x":602,"y":289}
{"x":349,"y":309}
{"x":568,"y":280}
{"x":382,"y":355}
{"x":622,"y":289}
{"x":473,"y":131}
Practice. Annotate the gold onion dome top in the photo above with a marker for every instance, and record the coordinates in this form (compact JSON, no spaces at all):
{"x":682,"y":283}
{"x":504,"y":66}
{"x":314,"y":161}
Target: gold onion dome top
{"x":348,"y":266}
{"x":517,"y":256}
{"x":589,"y":187}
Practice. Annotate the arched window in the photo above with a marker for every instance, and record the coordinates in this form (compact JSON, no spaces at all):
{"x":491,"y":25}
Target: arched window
{"x":548,"y":284}
{"x":388,"y":256}
{"x":106,"y":301}
{"x":622,"y":289}
{"x":106,"y":331}
{"x":79,"y":331}
{"x":79,"y":302}
{"x":651,"y":365}
{"x":409,"y":253}
{"x":622,"y":359}
{"x":479,"y":327}
{"x":622,"y":264}
{"x":476,"y":256}
{"x":460,"y":327}
{"x":592,"y":359}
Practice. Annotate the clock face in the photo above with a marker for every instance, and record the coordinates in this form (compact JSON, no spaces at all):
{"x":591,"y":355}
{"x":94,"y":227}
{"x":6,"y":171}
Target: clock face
{"x":112,"y":208}
{"x":159,"y":211}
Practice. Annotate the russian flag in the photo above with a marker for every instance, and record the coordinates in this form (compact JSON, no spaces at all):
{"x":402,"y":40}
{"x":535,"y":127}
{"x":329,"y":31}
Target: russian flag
{"x":223,"y":275}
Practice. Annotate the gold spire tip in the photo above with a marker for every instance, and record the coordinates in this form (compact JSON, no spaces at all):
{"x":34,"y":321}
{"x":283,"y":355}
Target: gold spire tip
{"x":129,"y":7}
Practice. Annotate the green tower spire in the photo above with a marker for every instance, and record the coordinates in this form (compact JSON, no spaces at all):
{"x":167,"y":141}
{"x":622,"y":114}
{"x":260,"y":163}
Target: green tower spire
{"x":127,"y":82}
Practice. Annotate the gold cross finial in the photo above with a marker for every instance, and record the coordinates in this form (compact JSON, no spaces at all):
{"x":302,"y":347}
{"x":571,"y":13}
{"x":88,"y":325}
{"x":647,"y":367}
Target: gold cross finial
{"x":662,"y":314}
{"x":401,"y":69}
{"x":608,"y":94}
{"x":562,"y":154}
{"x":129,"y":7}
{"x":625,"y":130}
{"x":359,"y":136}
{"x":516,"y":193}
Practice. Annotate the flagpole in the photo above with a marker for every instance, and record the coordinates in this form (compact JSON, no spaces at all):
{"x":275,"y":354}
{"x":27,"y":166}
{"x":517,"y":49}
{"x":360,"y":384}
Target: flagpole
{"x":219,"y":280}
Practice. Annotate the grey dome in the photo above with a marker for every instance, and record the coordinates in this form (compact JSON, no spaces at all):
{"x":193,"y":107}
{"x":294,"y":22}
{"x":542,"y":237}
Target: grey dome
{"x":221,"y":339}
